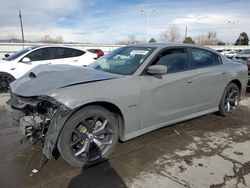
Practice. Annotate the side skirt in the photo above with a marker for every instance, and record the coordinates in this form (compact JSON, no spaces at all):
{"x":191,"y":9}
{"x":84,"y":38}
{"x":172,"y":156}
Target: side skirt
{"x":152,"y":128}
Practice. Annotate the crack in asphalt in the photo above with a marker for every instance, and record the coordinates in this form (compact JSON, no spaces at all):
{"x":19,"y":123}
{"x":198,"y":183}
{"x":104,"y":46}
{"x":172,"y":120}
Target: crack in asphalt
{"x":239,"y":172}
{"x":239,"y":169}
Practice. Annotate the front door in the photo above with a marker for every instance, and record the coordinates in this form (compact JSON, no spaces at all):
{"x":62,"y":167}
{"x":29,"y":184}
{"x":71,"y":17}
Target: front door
{"x":171,"y":96}
{"x":37,"y":57}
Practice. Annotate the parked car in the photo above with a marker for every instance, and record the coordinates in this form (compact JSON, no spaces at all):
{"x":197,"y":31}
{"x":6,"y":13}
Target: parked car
{"x":230,"y":54}
{"x":16,"y":65}
{"x":98,"y":52}
{"x":244,"y":55}
{"x":220,"y":51}
{"x":224,"y":51}
{"x":84,"y":111}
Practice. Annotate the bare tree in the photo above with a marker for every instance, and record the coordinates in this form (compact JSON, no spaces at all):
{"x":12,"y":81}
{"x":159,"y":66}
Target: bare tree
{"x":131,"y":40}
{"x":211,"y":35}
{"x":12,"y":38}
{"x":210,"y":39}
{"x":200,"y":39}
{"x":172,"y":34}
{"x":164,"y":36}
{"x":49,"y":39}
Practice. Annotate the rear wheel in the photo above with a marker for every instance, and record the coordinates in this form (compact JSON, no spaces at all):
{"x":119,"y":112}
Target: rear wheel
{"x":229,"y":100}
{"x":89,"y":136}
{"x":5,"y":80}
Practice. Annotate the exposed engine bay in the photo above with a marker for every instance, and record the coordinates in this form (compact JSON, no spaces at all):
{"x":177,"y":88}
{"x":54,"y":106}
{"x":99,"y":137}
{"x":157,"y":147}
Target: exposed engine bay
{"x":37,"y":118}
{"x":35,"y":121}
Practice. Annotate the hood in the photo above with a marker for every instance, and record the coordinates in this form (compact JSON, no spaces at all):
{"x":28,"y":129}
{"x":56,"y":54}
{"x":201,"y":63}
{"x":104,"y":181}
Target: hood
{"x":45,"y":79}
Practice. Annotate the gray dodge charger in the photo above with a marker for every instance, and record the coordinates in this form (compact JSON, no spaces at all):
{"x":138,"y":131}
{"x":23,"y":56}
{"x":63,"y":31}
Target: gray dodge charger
{"x":84,"y":111}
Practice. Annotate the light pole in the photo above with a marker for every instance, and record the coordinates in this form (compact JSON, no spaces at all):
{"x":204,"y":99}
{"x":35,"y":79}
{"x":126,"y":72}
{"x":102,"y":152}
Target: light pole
{"x":147,"y":12}
{"x":231,"y":23}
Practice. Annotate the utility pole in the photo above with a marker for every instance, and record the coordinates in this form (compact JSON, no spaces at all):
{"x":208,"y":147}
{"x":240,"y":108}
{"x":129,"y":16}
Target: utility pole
{"x":186,"y":32}
{"x":21,"y":23}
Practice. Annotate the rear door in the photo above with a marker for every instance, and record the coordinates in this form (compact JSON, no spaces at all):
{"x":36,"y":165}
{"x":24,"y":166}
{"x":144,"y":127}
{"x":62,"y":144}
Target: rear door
{"x":210,"y":78}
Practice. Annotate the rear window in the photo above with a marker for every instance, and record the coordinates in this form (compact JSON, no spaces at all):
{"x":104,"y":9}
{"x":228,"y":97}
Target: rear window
{"x":60,"y":53}
{"x":203,"y":58}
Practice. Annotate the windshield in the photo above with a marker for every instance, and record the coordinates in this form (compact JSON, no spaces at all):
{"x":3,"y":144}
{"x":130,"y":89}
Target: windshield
{"x":246,"y":51}
{"x":125,"y":60}
{"x":18,"y":54}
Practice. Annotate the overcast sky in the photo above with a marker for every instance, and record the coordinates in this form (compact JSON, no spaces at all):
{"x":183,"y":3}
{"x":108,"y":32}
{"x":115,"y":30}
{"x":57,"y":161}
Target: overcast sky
{"x":99,"y":21}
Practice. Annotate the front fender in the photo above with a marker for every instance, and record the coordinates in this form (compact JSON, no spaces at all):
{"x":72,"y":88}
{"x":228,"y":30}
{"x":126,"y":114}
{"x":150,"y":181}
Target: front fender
{"x":54,"y":130}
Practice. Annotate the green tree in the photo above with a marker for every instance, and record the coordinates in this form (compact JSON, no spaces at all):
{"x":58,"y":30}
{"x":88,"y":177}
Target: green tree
{"x":243,"y":39}
{"x":152,"y":40}
{"x":188,"y":40}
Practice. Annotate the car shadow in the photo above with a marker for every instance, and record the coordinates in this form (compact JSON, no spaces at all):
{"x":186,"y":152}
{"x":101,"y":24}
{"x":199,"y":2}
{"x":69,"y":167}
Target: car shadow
{"x":99,"y":175}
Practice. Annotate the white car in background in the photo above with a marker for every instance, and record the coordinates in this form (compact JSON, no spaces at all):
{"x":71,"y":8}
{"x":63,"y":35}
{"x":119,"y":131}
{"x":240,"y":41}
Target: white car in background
{"x":230,"y":54}
{"x":15,"y":65}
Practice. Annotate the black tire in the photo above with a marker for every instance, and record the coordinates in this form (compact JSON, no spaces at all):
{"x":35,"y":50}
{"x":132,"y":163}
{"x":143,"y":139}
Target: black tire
{"x":229,"y":100}
{"x":5,"y":80}
{"x":80,"y":141}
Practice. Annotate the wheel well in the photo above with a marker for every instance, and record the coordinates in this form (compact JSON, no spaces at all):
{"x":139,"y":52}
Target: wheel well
{"x":5,"y":73}
{"x":115,"y":110}
{"x":237,"y":82}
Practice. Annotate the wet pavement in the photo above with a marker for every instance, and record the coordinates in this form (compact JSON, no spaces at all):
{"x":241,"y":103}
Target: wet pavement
{"x":210,"y":151}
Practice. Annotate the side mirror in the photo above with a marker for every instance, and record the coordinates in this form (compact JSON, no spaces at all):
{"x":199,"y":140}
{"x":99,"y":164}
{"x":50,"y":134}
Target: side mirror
{"x":6,"y":55}
{"x":157,"y":70}
{"x":25,"y":60}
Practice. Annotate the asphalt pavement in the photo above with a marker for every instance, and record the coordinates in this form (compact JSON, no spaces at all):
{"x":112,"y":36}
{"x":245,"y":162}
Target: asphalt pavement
{"x":210,"y":151}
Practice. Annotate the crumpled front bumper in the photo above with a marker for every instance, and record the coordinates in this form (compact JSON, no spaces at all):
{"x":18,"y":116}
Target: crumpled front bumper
{"x":26,"y":106}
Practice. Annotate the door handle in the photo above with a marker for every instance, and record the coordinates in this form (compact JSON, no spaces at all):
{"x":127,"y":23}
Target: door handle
{"x":191,"y":82}
{"x":75,"y":60}
{"x":224,"y":73}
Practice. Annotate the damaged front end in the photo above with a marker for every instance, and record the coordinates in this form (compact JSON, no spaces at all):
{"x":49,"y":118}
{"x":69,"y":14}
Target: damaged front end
{"x":40,"y":119}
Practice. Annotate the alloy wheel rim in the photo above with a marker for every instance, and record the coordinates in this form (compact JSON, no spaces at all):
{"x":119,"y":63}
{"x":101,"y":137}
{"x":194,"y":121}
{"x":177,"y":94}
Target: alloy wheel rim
{"x":231,"y":100}
{"x":91,"y":138}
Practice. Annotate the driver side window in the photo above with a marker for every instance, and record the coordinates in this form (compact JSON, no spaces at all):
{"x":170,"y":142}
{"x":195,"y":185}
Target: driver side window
{"x":175,"y":60}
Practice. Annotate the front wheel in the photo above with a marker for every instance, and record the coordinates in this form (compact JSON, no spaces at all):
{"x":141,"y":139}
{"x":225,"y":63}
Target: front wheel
{"x":89,"y":136}
{"x":229,"y":100}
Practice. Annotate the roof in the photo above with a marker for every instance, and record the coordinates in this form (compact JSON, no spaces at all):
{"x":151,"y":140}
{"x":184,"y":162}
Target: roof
{"x":164,"y":45}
